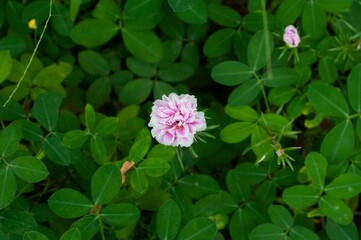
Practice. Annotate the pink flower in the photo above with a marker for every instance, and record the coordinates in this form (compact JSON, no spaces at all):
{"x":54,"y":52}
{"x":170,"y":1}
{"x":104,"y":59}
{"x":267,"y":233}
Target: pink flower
{"x":291,"y":37}
{"x":174,"y":120}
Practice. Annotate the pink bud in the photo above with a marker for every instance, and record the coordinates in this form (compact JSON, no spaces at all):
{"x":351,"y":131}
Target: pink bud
{"x":291,"y":37}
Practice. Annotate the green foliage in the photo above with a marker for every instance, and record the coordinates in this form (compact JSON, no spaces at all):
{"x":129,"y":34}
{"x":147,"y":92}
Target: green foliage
{"x":280,"y":158}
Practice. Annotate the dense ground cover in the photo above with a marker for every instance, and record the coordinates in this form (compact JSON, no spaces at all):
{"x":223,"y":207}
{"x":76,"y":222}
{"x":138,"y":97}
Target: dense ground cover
{"x":166,"y":119}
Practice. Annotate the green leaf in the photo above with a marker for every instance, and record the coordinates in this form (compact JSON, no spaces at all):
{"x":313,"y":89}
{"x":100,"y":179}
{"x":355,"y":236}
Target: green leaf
{"x":336,"y":231}
{"x":327,"y":100}
{"x":29,"y":169}
{"x":197,"y":186}
{"x":201,"y":228}
{"x":9,"y":139}
{"x":267,"y":231}
{"x":154,"y":167}
{"x":236,"y":132}
{"x":75,"y":138}
{"x":34,"y":235}
{"x":45,"y":109}
{"x":99,"y":92}
{"x":89,"y":117}
{"x":6,"y":64}
{"x":219,"y":43}
{"x":354,"y":88}
{"x":107,"y":10}
{"x":141,"y":146}
{"x":316,"y":165}
{"x":296,"y":107}
{"x":335,"y":5}
{"x":240,"y":191}
{"x":223,"y":15}
{"x":250,"y":172}
{"x":69,"y":203}
{"x":281,"y":95}
{"x":135,"y":91}
{"x":55,"y":151}
{"x":242,"y":113}
{"x":62,"y":25}
{"x":241,"y":219}
{"x":314,"y":20}
{"x":245,"y":94}
{"x":30,"y":130}
{"x":289,"y":11}
{"x":106,"y":126}
{"x":144,"y":45}
{"x":358,"y":126}
{"x":139,"y":181}
{"x":339,"y":143}
{"x":327,"y":70}
{"x":302,"y":233}
{"x":106,"y":183}
{"x":14,"y":44}
{"x":168,"y":220}
{"x":93,"y":32}
{"x":175,"y":72}
{"x":279,"y":77}
{"x":71,"y":234}
{"x":98,"y":150}
{"x":87,"y":225}
{"x":141,"y":68}
{"x":192,"y":12}
{"x":93,"y":63}
{"x":161,"y":88}
{"x":7,"y":187}
{"x":136,"y":9}
{"x":231,"y":73}
{"x":261,"y":144}
{"x":259,"y":49}
{"x":275,"y":122}
{"x":280,"y":216}
{"x":120,"y":214}
{"x":300,"y":196}
{"x":74,"y":9}
{"x":12,"y":110}
{"x":336,"y":210}
{"x":346,"y":185}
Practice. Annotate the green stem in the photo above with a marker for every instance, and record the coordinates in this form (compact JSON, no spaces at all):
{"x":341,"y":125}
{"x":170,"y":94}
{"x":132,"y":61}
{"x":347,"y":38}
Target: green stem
{"x":102,"y":229}
{"x":263,"y":92}
{"x":32,"y":56}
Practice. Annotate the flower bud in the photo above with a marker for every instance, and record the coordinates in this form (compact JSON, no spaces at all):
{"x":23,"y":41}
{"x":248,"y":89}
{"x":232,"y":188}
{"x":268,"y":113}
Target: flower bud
{"x":291,"y":37}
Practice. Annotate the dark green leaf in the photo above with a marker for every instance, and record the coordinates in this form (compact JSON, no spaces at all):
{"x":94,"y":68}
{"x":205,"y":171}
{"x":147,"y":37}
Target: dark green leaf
{"x":45,"y":109}
{"x":154,"y":167}
{"x":105,"y":184}
{"x":299,"y":196}
{"x":139,"y":181}
{"x":327,"y":70}
{"x":250,"y":172}
{"x":28,"y":168}
{"x":223,"y":15}
{"x":281,"y":95}
{"x":314,"y":20}
{"x":316,"y":165}
{"x":9,"y":139}
{"x":87,"y":225}
{"x":11,"y":111}
{"x":175,"y":72}
{"x":34,"y":235}
{"x":280,"y":216}
{"x":71,"y":234}
{"x":336,"y":231}
{"x":327,"y":100}
{"x":197,"y":186}
{"x":198,"y":229}
{"x":302,"y":233}
{"x":30,"y":130}
{"x":161,"y":88}
{"x":354,"y":88}
{"x":231,"y":73}
{"x":244,"y":94}
{"x":7,"y":187}
{"x":219,"y":43}
{"x":53,"y":75}
{"x":93,"y":32}
{"x":239,"y":190}
{"x":243,"y":113}
{"x":98,"y":150}
{"x":267,"y":231}
{"x":336,"y":210}
{"x":74,"y":9}
{"x":6,"y":64}
{"x":144,"y":45}
{"x":346,"y":185}
{"x":275,"y":122}
{"x":75,"y":138}
{"x":339,"y":143}
{"x":261,"y":144}
{"x":135,"y":91}
{"x":89,"y":117}
{"x":55,"y":151}
{"x":69,"y":203}
{"x":241,"y":219}
{"x":141,"y":146}
{"x":259,"y":49}
{"x":120,"y":214}
{"x":107,"y":10}
{"x":168,"y":220}
{"x":296,"y":106}
{"x":140,"y":68}
{"x":99,"y":92}
{"x":334,"y":5}
{"x":279,"y":77}
{"x":289,"y":10}
{"x":192,"y":12}
{"x":93,"y":63}
{"x":236,"y":132}
{"x":106,"y":126}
